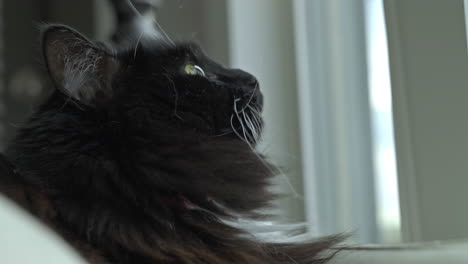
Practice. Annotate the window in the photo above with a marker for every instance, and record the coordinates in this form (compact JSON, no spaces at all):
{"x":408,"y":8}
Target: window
{"x":320,"y":111}
{"x":386,"y":185}
{"x":466,"y":19}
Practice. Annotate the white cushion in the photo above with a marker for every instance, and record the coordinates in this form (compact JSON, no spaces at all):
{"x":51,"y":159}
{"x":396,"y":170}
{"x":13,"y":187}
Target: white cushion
{"x":23,"y":240}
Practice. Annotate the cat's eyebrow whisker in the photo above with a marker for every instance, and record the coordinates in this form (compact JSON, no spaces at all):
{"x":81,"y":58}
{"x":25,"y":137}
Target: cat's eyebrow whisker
{"x":136,"y":45}
{"x":137,"y":13}
{"x":176,"y":95}
{"x":164,"y":32}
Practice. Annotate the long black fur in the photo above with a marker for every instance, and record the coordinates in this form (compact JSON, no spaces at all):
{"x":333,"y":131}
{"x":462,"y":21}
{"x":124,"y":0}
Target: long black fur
{"x":148,"y":161}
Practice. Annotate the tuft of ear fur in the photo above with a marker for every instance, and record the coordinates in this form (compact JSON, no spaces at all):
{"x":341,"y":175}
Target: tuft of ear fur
{"x":78,"y":67}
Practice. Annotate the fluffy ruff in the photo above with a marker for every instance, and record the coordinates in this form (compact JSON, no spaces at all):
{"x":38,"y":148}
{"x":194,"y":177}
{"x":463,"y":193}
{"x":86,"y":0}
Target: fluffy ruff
{"x":179,"y":205}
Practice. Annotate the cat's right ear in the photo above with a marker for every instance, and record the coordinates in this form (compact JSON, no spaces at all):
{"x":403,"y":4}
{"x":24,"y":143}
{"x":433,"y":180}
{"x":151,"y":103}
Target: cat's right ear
{"x":78,"y":67}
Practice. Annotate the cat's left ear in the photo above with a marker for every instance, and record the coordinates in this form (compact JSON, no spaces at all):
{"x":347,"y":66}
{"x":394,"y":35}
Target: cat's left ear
{"x":78,"y":67}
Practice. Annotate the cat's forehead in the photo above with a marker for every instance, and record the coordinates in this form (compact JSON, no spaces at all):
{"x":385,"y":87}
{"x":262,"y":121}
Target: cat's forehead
{"x":174,"y":50}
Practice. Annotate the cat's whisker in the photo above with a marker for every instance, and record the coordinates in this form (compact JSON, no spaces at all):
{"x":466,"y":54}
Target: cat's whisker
{"x":245,"y":138}
{"x":256,"y":118}
{"x":255,"y":110}
{"x":248,"y":126}
{"x":223,"y":134}
{"x":243,"y":127}
{"x":251,"y":126}
{"x":234,"y":129}
{"x":257,"y":128}
{"x":249,"y":122}
{"x":251,"y":97}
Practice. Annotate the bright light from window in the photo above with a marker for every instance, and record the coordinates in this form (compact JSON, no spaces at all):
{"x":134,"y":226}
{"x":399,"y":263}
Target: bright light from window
{"x":388,"y":209}
{"x":466,"y":20}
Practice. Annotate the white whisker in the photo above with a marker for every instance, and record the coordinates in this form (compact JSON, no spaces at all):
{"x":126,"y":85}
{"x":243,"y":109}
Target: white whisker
{"x":164,"y":33}
{"x":241,"y":123}
{"x":234,"y":129}
{"x":255,"y":110}
{"x":256,"y":118}
{"x":176,"y":95}
{"x":251,"y":126}
{"x":136,"y":45}
{"x":250,"y":99}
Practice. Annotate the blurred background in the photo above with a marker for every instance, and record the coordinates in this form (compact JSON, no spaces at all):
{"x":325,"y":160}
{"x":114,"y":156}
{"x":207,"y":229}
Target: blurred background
{"x":366,"y":100}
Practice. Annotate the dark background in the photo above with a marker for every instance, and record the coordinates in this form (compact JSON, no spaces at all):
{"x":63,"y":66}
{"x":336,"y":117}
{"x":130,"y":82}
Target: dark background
{"x":22,"y":74}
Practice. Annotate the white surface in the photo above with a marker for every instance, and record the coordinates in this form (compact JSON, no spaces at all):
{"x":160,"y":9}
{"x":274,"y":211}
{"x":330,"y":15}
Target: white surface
{"x":25,"y":241}
{"x":450,"y":253}
{"x":429,"y":66}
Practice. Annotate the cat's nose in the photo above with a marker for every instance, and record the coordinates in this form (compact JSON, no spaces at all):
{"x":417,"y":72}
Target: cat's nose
{"x":248,"y":89}
{"x":246,"y":79}
{"x":253,"y":83}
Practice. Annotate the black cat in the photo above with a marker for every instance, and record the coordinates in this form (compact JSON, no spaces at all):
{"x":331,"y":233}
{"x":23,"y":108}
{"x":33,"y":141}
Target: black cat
{"x":145,"y":155}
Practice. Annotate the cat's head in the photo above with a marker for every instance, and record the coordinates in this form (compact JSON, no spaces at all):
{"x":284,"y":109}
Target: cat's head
{"x":176,"y":84}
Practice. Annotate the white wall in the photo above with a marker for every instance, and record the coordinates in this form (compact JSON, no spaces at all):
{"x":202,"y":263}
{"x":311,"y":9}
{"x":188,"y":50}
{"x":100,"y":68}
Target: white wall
{"x":429,"y":66}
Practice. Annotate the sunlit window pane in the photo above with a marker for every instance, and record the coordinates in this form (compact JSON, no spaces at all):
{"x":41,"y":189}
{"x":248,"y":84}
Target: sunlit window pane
{"x":388,"y":209}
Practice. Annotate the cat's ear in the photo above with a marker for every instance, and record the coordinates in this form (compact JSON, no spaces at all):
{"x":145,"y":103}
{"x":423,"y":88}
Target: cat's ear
{"x":78,"y":67}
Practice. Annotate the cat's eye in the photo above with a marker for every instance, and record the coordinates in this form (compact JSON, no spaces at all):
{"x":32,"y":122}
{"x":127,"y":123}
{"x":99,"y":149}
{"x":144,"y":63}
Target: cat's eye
{"x":191,"y":69}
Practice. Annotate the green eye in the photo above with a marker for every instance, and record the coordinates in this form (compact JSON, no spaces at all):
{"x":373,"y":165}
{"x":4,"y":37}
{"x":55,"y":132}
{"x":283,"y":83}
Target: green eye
{"x":191,"y":69}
